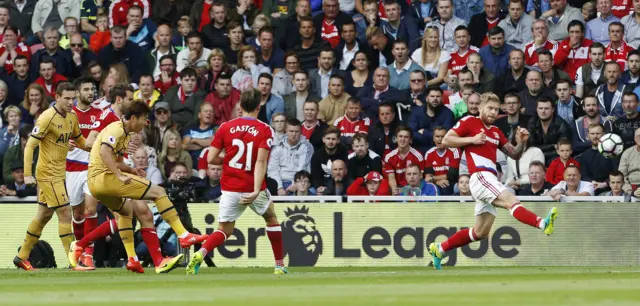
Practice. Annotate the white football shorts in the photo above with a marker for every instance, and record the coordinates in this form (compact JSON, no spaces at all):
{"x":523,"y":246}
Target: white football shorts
{"x":230,"y":208}
{"x":485,"y":188}
{"x":77,"y":186}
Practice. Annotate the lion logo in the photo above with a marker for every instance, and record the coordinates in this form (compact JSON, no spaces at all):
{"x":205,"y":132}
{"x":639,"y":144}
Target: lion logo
{"x":302,"y":241}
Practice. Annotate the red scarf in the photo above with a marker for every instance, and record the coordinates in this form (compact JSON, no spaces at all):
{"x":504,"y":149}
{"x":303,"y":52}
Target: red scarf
{"x":183,"y":97}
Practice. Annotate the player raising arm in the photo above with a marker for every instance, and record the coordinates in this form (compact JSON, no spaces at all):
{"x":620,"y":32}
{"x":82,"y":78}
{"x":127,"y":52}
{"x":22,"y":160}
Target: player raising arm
{"x":481,"y":140}
{"x":247,"y":142}
{"x":112,"y":183}
{"x":52,"y":132}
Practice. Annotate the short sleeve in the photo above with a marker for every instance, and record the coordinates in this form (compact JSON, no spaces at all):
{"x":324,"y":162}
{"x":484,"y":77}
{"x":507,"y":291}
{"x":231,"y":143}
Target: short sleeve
{"x":388,"y":166}
{"x":588,"y":187}
{"x":502,"y":139}
{"x":76,"y":129}
{"x":267,"y":140}
{"x":444,"y":58}
{"x":579,"y":80}
{"x":41,"y":126}
{"x":455,"y":163}
{"x":112,"y":135}
{"x":203,"y":163}
{"x":462,"y":126}
{"x":217,"y":138}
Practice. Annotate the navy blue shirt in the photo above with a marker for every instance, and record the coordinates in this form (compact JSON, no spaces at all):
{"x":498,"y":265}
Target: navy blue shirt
{"x":608,"y":98}
{"x":89,"y":10}
{"x":276,"y":60}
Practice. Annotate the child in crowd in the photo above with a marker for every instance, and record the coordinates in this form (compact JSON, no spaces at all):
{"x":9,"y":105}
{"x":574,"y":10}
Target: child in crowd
{"x":555,"y":172}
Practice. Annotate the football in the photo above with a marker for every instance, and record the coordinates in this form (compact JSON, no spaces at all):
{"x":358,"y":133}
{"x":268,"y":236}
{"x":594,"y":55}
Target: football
{"x":610,"y":145}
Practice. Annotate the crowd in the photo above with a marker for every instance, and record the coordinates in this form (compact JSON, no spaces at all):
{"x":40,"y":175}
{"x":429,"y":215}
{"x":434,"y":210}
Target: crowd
{"x":359,"y":93}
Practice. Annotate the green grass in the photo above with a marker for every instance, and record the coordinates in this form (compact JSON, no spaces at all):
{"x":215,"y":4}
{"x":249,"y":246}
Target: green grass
{"x":326,"y":287}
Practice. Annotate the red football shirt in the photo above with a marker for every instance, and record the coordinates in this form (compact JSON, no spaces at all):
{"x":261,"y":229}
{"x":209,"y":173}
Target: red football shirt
{"x":241,"y":138}
{"x":308,"y":131}
{"x":618,"y":55}
{"x":459,"y":61}
{"x":530,"y":54}
{"x":395,"y":163}
{"x":21,"y":49}
{"x":440,"y":162}
{"x":349,"y":128}
{"x":78,"y":160}
{"x":107,"y":117}
{"x":330,"y":33}
{"x":119,"y":8}
{"x":490,"y":25}
{"x":480,"y":157}
{"x":621,"y":8}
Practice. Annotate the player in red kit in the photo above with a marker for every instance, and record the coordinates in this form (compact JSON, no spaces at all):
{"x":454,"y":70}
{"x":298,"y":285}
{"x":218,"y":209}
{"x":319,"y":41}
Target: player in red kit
{"x":398,"y":159}
{"x":246,"y":142}
{"x":481,"y":140}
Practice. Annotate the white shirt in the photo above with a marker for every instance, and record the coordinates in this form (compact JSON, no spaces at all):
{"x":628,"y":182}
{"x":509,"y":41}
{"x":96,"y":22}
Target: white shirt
{"x":324,"y":83}
{"x":595,"y":75}
{"x":347,"y":56}
{"x":183,"y":59}
{"x":582,"y":187}
{"x":432,"y":68}
{"x":156,"y":71}
{"x":403,"y":68}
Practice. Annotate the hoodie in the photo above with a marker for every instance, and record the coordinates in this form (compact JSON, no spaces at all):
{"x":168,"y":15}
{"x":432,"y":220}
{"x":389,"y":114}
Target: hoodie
{"x":286,"y":160}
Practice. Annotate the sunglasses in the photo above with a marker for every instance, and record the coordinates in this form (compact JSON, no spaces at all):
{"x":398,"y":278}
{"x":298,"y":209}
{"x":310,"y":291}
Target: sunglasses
{"x":417,"y":80}
{"x":76,"y":45}
{"x":162,"y":111}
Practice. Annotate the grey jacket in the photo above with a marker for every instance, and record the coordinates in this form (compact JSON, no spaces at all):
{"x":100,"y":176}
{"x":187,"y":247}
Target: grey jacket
{"x":558,"y":31}
{"x":517,"y":34}
{"x":290,"y":108}
{"x":282,"y":83}
{"x":66,"y":8}
{"x":286,"y":160}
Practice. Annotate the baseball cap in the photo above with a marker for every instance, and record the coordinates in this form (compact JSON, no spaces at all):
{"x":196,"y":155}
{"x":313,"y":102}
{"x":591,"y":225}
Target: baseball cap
{"x":161,"y":104}
{"x":373,"y":176}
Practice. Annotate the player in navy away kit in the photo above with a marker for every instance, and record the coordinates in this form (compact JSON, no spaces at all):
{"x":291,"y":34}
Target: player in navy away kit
{"x":246,"y":142}
{"x":480,"y":141}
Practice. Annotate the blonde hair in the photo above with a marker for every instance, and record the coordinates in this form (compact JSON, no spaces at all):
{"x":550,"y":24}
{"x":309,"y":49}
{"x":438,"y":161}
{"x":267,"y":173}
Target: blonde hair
{"x":425,"y":46}
{"x":244,"y":49}
{"x":11,"y":108}
{"x":488,"y":97}
{"x":122,"y":73}
{"x":217,"y":52}
{"x":165,"y":143}
{"x":373,"y":31}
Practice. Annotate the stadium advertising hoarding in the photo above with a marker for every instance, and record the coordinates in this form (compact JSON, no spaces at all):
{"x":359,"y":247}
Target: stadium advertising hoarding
{"x":397,"y":234}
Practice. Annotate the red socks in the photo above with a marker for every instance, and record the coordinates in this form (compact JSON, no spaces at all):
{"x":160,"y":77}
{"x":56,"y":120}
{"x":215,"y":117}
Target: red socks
{"x":274,"y":232}
{"x":525,"y":216}
{"x":150,"y":237}
{"x":90,"y":224}
{"x":78,"y":229}
{"x":105,"y":229}
{"x":459,"y":239}
{"x":215,"y":240}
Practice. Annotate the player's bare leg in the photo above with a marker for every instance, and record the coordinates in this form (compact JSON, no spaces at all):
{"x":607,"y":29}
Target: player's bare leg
{"x":168,"y":212}
{"x":42,"y":217}
{"x":274,"y":233}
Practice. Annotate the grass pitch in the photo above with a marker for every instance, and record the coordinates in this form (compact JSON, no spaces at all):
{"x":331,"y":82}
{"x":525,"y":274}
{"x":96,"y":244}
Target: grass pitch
{"x":326,"y":287}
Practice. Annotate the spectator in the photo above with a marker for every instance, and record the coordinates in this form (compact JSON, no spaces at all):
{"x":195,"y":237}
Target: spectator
{"x":537,"y":185}
{"x":540,"y":33}
{"x":446,"y":24}
{"x":547,"y":128}
{"x":289,"y":34}
{"x":339,"y":182}
{"x":381,"y":43}
{"x":80,"y":55}
{"x":424,"y":119}
{"x":533,"y":92}
{"x":278,"y":11}
{"x":616,"y":181}
{"x":309,"y":47}
{"x":398,"y":159}
{"x":441,"y":163}
{"x":141,"y":161}
{"x":573,"y":51}
{"x":517,"y":25}
{"x":517,"y":172}
{"x":581,"y":141}
{"x":269,"y":102}
{"x":102,"y":36}
{"x":322,"y":159}
{"x":482,"y":23}
{"x":48,"y":14}
{"x":417,"y":92}
{"x":382,"y":132}
{"x":589,"y":76}
{"x":200,"y":14}
{"x":89,"y":11}
{"x":372,"y":184}
{"x":572,"y":185}
{"x":495,"y":55}
{"x":463,"y":185}
{"x":567,"y":105}
{"x":20,"y":15}
{"x":195,"y":56}
{"x":470,"y":105}
{"x":627,"y":126}
{"x":588,"y":11}
{"x":550,"y":76}
{"x":4,"y":103}
{"x":630,"y":23}
{"x":302,"y":184}
{"x":513,"y":79}
{"x":120,"y":50}
{"x":217,"y":66}
{"x":459,"y":58}
{"x":214,"y":34}
{"x":629,"y":166}
{"x":236,"y":40}
{"x":312,"y":128}
{"x":348,"y":47}
{"x":430,"y":49}
{"x":198,"y":136}
{"x":328,"y":24}
{"x":514,"y":118}
{"x":212,"y":178}
{"x":416,"y":186}
{"x":319,"y":77}
{"x":119,"y":9}
{"x":631,"y":76}
{"x":396,"y":25}
{"x":18,"y":80}
{"x":184,"y":99}
{"x":223,"y":99}
{"x":362,"y":160}
{"x":72,"y":27}
{"x":52,"y":51}
{"x":555,"y":172}
{"x":403,"y":66}
{"x":11,"y":49}
{"x":120,"y":73}
{"x":610,"y":94}
{"x":168,"y":77}
{"x":596,"y":167}
{"x":18,"y":187}
{"x":380,"y":92}
{"x":423,"y":12}
{"x":283,"y":80}
{"x":617,"y":49}
{"x":352,"y":122}
{"x":170,"y":11}
{"x":558,"y":18}
{"x":49,"y":78}
{"x":162,"y":123}
{"x":9,"y":131}
{"x":15,"y":154}
{"x":598,"y":28}
{"x":172,"y":154}
{"x":483,"y":79}
{"x":271,"y":56}
{"x":289,"y":157}
{"x":146,"y":92}
{"x":333,"y":106}
{"x":163,"y":47}
{"x":137,"y":141}
{"x":249,"y":68}
{"x":279,"y":126}
{"x":294,"y":102}
{"x":360,"y":76}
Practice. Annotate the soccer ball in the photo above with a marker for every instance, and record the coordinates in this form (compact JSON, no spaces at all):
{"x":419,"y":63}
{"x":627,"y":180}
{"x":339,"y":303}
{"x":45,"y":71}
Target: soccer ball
{"x":610,"y":145}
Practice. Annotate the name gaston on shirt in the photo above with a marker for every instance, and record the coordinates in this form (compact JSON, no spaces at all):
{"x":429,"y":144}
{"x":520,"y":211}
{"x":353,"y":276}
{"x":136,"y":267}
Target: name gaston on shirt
{"x":244,"y":128}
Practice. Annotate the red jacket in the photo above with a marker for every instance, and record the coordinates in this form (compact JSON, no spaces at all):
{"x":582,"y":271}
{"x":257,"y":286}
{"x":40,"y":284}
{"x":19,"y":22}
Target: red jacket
{"x":570,"y":59}
{"x":530,"y":54}
{"x":21,"y":49}
{"x":119,"y":8}
{"x":163,"y":87}
{"x":359,"y":188}
{"x":223,"y":108}
{"x":99,"y":40}
{"x":57,"y":78}
{"x":555,"y":172}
